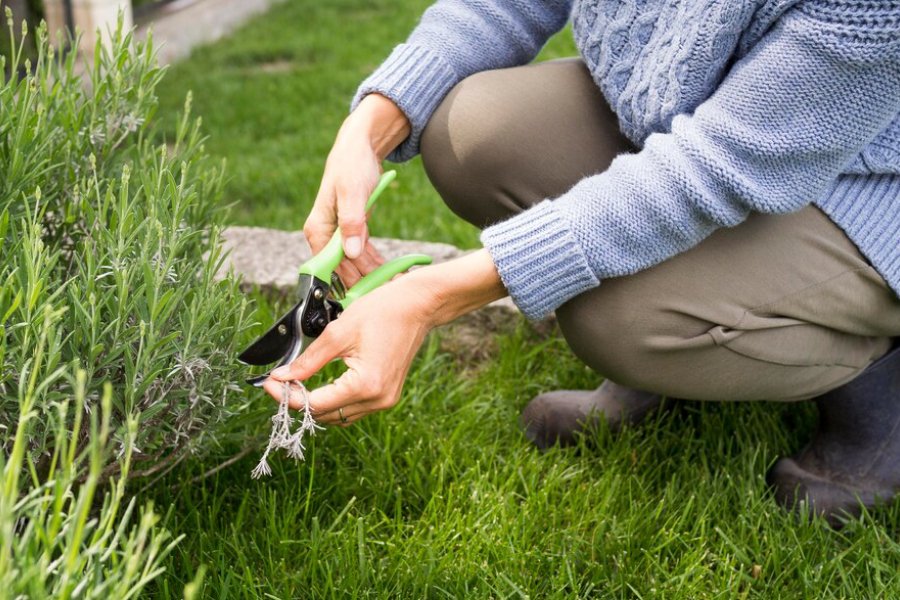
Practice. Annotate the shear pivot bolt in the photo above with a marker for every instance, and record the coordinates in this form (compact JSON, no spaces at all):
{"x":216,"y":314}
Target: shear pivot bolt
{"x":318,"y":294}
{"x":282,"y":329}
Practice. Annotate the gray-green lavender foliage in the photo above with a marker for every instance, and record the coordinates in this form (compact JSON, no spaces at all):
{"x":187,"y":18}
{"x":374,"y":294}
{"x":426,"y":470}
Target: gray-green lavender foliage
{"x":68,"y":533}
{"x":113,"y":238}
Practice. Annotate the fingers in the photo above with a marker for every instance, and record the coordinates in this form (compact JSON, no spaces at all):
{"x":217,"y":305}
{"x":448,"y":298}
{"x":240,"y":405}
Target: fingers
{"x":339,"y":206}
{"x":349,"y":273}
{"x":354,"y":394}
{"x":350,"y":388}
{"x":275,"y":389}
{"x":352,"y":271}
{"x":377,"y":338}
{"x":351,"y":414}
{"x":369,"y":260}
{"x":328,"y":346}
{"x":316,"y":232}
{"x":329,"y":401}
{"x":351,"y":216}
{"x":322,"y":221}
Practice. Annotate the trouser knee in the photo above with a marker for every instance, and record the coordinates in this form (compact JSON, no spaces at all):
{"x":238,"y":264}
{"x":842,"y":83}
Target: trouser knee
{"x":608,"y":334}
{"x":466,"y":157}
{"x":504,"y":140}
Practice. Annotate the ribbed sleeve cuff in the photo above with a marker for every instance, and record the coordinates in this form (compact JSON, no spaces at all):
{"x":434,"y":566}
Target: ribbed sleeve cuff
{"x":867,"y":208}
{"x":416,"y":79}
{"x":539,"y":260}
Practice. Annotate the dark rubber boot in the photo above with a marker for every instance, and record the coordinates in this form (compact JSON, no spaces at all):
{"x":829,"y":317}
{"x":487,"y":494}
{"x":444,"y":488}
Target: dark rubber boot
{"x":557,"y":417}
{"x":854,"y":457}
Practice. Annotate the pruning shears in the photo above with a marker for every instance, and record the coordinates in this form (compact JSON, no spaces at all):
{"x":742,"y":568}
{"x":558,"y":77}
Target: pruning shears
{"x":322,"y":298}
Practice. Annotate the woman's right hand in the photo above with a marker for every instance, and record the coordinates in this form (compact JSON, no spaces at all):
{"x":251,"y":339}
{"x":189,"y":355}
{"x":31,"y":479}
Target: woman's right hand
{"x":352,"y":170}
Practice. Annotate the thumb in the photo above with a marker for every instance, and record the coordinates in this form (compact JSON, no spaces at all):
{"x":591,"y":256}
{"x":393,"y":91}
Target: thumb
{"x":319,"y":353}
{"x":352,"y":220}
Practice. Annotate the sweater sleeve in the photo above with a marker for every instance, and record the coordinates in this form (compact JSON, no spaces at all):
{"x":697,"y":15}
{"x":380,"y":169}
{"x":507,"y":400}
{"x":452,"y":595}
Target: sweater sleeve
{"x":779,"y":130}
{"x":455,"y":39}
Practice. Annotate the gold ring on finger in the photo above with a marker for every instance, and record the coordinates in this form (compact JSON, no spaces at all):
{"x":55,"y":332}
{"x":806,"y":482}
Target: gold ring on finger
{"x":341,"y":413}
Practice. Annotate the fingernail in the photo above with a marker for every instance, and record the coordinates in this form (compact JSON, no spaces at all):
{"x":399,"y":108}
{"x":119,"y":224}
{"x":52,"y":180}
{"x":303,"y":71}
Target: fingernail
{"x":280,"y":372}
{"x":353,"y":247}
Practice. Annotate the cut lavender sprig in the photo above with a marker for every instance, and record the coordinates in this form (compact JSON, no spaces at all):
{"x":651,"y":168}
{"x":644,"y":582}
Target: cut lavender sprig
{"x":281,"y":436}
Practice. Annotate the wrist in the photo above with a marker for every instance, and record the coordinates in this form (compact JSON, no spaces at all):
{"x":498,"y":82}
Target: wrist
{"x":381,"y":122}
{"x":457,"y":287}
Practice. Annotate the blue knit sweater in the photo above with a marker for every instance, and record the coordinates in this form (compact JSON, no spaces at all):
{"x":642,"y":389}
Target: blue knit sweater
{"x":765,"y":105}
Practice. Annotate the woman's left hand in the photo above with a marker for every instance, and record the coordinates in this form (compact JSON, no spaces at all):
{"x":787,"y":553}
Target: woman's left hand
{"x":379,"y":334}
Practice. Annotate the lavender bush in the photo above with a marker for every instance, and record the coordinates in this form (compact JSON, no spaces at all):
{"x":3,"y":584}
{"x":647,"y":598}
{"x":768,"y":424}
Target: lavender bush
{"x":67,"y":533}
{"x":114,"y":237}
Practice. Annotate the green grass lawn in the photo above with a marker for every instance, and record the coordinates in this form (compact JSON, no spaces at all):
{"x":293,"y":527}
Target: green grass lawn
{"x":443,"y":496}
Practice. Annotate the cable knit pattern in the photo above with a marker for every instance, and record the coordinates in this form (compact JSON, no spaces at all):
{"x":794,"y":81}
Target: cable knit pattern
{"x":760,"y":106}
{"x":679,"y":65}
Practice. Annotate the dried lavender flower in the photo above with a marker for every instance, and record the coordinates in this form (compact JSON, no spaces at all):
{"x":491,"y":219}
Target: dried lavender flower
{"x":281,"y":436}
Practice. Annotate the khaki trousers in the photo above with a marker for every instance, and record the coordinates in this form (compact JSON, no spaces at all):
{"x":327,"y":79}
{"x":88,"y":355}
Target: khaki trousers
{"x":780,"y":307}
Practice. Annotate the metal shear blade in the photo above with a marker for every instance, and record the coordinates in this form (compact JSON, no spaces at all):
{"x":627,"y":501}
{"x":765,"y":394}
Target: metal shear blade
{"x":284,"y":341}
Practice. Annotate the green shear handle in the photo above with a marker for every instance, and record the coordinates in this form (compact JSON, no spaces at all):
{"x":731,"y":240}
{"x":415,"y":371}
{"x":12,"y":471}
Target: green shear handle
{"x":325,"y":262}
{"x":383,"y":274}
{"x":318,"y":301}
